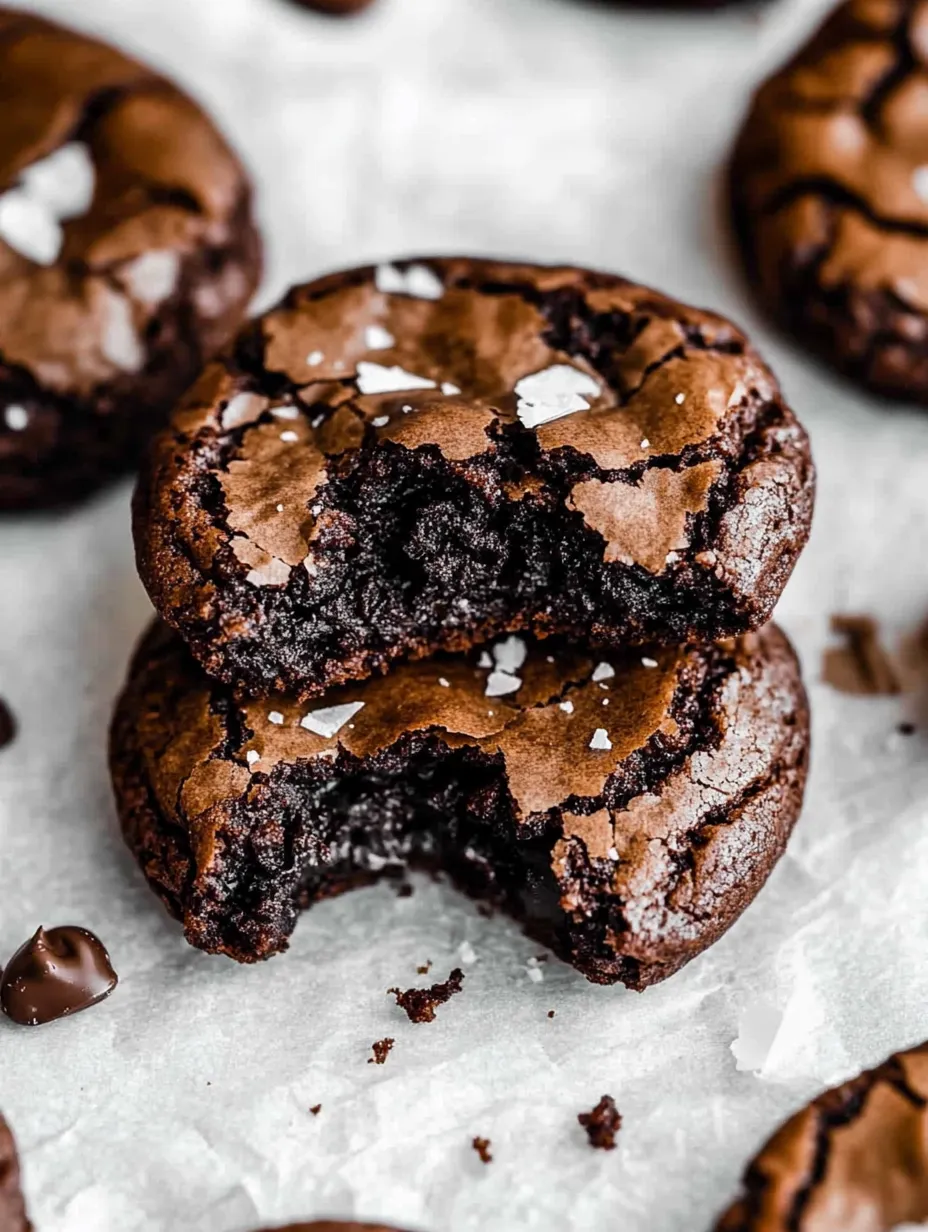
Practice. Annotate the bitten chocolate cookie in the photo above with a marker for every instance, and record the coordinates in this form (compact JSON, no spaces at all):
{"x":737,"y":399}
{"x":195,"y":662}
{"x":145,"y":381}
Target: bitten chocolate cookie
{"x":855,"y":1158}
{"x":12,"y":1207}
{"x":404,"y":460}
{"x":625,"y":810}
{"x":127,"y":255}
{"x":829,"y":185}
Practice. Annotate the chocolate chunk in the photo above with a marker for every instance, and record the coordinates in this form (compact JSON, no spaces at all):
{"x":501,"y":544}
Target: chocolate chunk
{"x":830,"y":195}
{"x":127,"y":255}
{"x":7,"y":724}
{"x":856,"y":1157}
{"x":861,"y":665}
{"x":382,"y":1049}
{"x":482,"y":1147}
{"x":57,"y":972}
{"x":420,"y":1004}
{"x":420,"y":458}
{"x":12,"y":1205}
{"x":583,"y":845}
{"x":602,"y":1124}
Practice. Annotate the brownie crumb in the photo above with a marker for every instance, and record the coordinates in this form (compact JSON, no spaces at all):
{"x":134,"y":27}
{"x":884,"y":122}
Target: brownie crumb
{"x":602,"y":1124}
{"x":316,"y":1109}
{"x":482,"y":1147}
{"x":861,"y":665}
{"x":550,"y":1013}
{"x":381,"y":1049}
{"x":420,"y":1003}
{"x":7,"y":724}
{"x":425,"y":969}
{"x":906,"y":729}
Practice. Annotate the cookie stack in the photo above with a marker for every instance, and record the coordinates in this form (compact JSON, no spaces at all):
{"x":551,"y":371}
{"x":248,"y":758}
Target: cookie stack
{"x":468,"y":565}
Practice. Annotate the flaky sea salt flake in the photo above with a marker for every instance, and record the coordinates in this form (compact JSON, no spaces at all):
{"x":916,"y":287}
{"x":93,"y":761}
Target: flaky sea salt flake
{"x":601,"y":739}
{"x":376,"y":379}
{"x":553,"y":393}
{"x":329,"y":721}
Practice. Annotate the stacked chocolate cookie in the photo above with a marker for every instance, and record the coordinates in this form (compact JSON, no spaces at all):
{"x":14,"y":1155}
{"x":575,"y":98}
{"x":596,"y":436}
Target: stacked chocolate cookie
{"x":468,"y":565}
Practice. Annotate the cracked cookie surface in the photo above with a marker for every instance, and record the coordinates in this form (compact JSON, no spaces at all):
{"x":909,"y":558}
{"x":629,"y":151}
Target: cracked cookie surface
{"x":422,"y":457}
{"x":12,"y":1206}
{"x":127,"y":256}
{"x":829,"y":186}
{"x":626,"y":811}
{"x":856,"y":1157}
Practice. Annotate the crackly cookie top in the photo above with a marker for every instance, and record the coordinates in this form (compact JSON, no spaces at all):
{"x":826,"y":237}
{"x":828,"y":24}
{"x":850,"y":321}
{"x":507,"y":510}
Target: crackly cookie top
{"x":856,"y":1157}
{"x":453,"y":356}
{"x":831,"y":170}
{"x":109,"y":179}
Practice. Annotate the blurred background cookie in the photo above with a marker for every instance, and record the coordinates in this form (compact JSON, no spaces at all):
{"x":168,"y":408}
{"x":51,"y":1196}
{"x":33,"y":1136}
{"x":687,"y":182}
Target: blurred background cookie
{"x":829,"y":189}
{"x":127,"y":254}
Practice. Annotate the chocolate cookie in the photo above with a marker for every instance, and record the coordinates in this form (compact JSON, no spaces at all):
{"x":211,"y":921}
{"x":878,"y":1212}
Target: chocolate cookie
{"x":404,"y":460}
{"x":337,"y":8}
{"x":855,"y":1158}
{"x":334,"y":1225}
{"x":12,"y":1207}
{"x":829,"y":185}
{"x":626,"y":811}
{"x":127,"y":255}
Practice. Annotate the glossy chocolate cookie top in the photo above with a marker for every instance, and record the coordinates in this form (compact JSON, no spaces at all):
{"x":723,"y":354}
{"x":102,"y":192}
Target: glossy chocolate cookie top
{"x":12,"y":1206}
{"x":405,"y":459}
{"x":856,"y":1157}
{"x":570,"y":788}
{"x":124,"y":215}
{"x":830,"y":189}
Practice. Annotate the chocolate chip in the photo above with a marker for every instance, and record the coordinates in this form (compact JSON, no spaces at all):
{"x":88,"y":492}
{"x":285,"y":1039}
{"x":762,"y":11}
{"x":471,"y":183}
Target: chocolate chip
{"x":56,"y":973}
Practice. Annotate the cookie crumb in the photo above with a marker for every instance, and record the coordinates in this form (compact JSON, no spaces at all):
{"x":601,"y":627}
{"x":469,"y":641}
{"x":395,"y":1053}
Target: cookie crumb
{"x":381,"y":1050}
{"x":550,"y":1013}
{"x":7,"y":725}
{"x":482,"y":1147}
{"x":861,"y":665}
{"x":404,"y":890}
{"x":904,"y":729}
{"x":420,"y":1003}
{"x":602,"y":1124}
{"x":316,"y":1109}
{"x":424,"y":970}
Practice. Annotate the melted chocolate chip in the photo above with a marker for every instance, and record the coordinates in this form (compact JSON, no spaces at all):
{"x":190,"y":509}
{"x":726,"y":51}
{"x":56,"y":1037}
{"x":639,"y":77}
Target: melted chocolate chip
{"x":56,"y":973}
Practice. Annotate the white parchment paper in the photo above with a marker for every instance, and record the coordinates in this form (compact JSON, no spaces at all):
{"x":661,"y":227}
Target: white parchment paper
{"x":548,"y":129}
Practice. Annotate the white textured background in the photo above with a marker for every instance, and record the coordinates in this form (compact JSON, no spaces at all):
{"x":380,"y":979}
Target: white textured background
{"x":547,"y":129}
